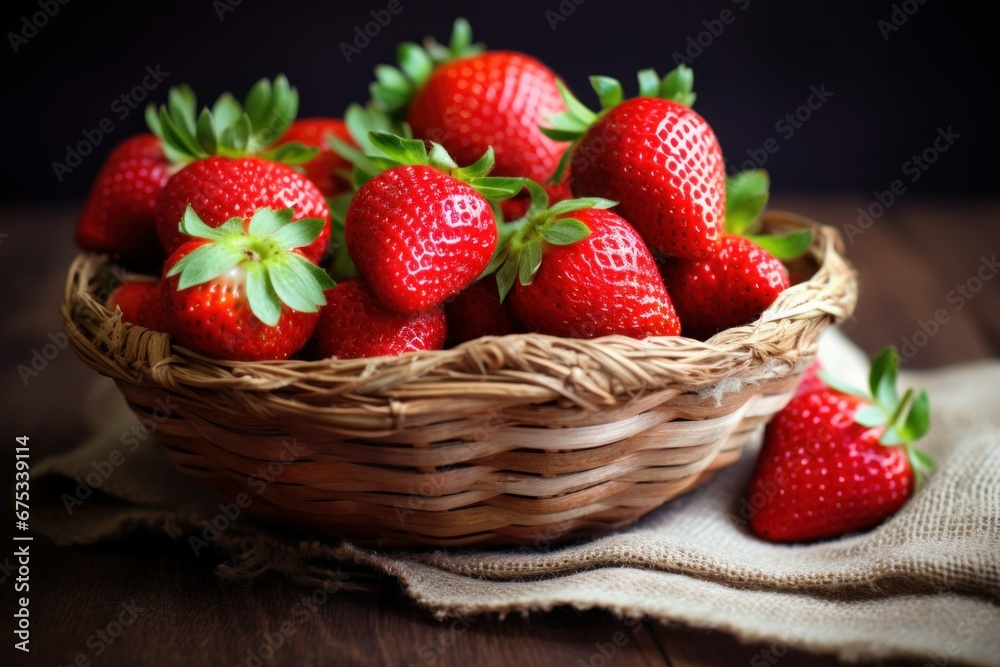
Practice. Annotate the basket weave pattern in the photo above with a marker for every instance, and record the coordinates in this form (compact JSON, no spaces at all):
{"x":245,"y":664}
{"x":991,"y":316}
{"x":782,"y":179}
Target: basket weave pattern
{"x":511,"y":440}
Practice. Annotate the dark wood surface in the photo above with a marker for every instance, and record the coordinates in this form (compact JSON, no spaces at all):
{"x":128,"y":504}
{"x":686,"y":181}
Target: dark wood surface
{"x":910,"y":259}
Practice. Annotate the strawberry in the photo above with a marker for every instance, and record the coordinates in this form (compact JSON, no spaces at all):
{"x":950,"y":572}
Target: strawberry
{"x":140,"y":304}
{"x":838,"y":461}
{"x":468,"y":101}
{"x":422,"y":230}
{"x":326,"y":170}
{"x":220,"y":188}
{"x":244,"y":290}
{"x":232,"y":170}
{"x":742,"y":276}
{"x":654,"y":155}
{"x":354,"y":324}
{"x":477,"y":311}
{"x":578,"y":270}
{"x":118,"y":217}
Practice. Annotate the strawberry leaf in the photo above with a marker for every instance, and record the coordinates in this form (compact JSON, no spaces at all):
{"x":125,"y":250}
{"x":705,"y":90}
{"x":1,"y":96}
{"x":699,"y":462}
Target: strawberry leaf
{"x":746,"y":197}
{"x":677,"y":86}
{"x":789,"y":246}
{"x":882,"y":379}
{"x":264,"y":301}
{"x":299,"y":233}
{"x":293,"y":288}
{"x":871,"y":415}
{"x":918,"y":421}
{"x":566,"y":231}
{"x":649,"y":83}
{"x":461,"y":44}
{"x":507,"y":274}
{"x":569,"y":205}
{"x":439,"y":157}
{"x":577,"y":108}
{"x":609,"y":91}
{"x":205,"y":263}
{"x":226,"y":110}
{"x":323,"y":280}
{"x":559,"y":135}
{"x":530,"y":261}
{"x":181,"y":104}
{"x":192,"y":225}
{"x":415,"y":62}
{"x":922,"y":465}
{"x":290,"y":153}
{"x":476,"y":170}
{"x":362,"y":120}
{"x":205,"y":131}
{"x":497,"y":187}
{"x":267,"y":221}
{"x":404,"y":151}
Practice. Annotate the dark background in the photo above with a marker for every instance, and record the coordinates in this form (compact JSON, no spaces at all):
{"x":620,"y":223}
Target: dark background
{"x":890,"y":96}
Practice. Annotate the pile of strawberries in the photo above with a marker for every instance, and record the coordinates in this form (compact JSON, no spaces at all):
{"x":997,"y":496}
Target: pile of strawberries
{"x":473,"y":195}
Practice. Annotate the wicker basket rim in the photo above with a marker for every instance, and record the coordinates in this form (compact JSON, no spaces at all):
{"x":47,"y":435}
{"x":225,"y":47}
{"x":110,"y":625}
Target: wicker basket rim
{"x":603,"y":371}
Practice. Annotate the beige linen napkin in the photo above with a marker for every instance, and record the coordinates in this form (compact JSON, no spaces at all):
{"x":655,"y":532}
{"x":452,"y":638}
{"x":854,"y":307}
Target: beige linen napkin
{"x":924,"y":585}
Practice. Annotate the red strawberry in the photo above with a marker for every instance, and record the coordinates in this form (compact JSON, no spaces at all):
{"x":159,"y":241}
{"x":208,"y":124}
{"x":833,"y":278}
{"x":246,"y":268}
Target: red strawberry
{"x":354,"y":324}
{"x":741,"y":277}
{"x":325,"y":169}
{"x":732,"y":286}
{"x":140,"y":304}
{"x":582,"y":271}
{"x":468,"y":101}
{"x":118,"y":217}
{"x":655,"y":156}
{"x":233,"y":172}
{"x":477,"y":311}
{"x":421,"y":231}
{"x":243,"y":290}
{"x":834,"y":462}
{"x":220,"y":188}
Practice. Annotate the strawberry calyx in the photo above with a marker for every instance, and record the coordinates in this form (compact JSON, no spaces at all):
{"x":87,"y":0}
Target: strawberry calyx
{"x":573,"y":124}
{"x":228,"y":128}
{"x":394,"y":151}
{"x":263,"y":247}
{"x":521,"y":242}
{"x":905,"y":419}
{"x":395,"y":86}
{"x":747,"y":194}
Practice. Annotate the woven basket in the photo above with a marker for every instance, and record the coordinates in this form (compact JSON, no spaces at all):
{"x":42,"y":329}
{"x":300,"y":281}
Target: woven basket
{"x":505,"y":440}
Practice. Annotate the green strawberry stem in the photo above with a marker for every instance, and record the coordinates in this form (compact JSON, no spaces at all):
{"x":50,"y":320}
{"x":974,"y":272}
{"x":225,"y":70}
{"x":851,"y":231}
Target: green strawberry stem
{"x":521,"y":243}
{"x":573,"y":124}
{"x":361,"y":120}
{"x":229,"y":129}
{"x":395,"y":87}
{"x":747,"y":194}
{"x":393,"y":151}
{"x":905,"y":419}
{"x":275,"y":276}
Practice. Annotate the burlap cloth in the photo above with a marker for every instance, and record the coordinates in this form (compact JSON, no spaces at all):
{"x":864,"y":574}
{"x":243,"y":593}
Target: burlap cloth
{"x":924,"y":585}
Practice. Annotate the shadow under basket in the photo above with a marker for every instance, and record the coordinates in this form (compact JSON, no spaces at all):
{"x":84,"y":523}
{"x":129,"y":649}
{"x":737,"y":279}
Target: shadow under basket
{"x":522,"y":439}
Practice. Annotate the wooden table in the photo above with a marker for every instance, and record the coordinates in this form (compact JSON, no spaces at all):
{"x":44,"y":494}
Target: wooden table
{"x":912,"y":261}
